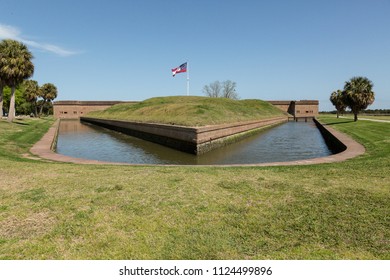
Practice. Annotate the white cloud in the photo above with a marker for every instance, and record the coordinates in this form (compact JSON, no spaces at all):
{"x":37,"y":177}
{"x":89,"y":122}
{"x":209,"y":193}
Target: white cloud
{"x":11,"y":32}
{"x":7,"y":31}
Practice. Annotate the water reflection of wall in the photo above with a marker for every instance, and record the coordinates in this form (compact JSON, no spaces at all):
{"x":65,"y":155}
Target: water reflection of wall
{"x":72,"y":126}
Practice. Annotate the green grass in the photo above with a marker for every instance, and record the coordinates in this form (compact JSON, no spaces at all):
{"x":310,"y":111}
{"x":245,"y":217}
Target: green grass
{"x":190,"y":111}
{"x":364,"y":116}
{"x":378,"y":117}
{"x":16,"y":138}
{"x":69,"y":211}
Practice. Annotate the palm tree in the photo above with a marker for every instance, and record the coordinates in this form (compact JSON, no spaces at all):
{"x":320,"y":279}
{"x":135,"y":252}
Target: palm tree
{"x":2,"y":84}
{"x":15,"y":67}
{"x":31,"y":94}
{"x":358,"y":94}
{"x":1,"y":96}
{"x":48,"y":92}
{"x":337,"y":100}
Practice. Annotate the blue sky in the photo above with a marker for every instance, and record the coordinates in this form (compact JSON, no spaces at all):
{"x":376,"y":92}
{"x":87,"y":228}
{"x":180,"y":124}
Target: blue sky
{"x":273,"y":50}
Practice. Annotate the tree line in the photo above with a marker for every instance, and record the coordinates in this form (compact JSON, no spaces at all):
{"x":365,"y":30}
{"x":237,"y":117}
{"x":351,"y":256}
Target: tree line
{"x":31,"y":99}
{"x":357,"y":95}
{"x":17,"y":93}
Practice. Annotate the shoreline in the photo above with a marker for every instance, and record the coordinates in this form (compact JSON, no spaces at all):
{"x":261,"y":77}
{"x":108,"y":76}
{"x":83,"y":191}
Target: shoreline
{"x":44,"y":149}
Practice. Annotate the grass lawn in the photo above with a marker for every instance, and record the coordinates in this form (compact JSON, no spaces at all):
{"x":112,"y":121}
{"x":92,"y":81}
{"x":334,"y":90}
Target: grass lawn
{"x":384,"y":118}
{"x":190,"y":111}
{"x":68,"y":211}
{"x":370,"y":117}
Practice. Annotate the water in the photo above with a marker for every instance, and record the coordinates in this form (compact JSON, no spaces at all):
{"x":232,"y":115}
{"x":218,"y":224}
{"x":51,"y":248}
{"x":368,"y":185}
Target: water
{"x":286,"y":142}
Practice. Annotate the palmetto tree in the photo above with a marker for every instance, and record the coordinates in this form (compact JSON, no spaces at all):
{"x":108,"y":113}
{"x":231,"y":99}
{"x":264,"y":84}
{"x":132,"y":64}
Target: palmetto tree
{"x":1,"y":97}
{"x":2,"y":84}
{"x":48,"y":92}
{"x":358,"y":94}
{"x":15,"y":67}
{"x":337,"y":100}
{"x":31,"y":93}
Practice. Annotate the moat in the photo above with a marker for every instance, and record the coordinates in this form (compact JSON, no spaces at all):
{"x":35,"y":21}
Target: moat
{"x":286,"y":142}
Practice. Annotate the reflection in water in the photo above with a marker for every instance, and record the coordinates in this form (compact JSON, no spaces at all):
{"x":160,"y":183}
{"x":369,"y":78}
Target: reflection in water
{"x":286,"y":142}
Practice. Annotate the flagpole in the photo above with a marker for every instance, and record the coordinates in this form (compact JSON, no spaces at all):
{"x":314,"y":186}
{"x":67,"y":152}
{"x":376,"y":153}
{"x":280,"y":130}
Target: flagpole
{"x":188,"y":80}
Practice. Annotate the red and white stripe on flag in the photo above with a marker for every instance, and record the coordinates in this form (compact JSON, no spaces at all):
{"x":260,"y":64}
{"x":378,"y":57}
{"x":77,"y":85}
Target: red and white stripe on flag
{"x":181,"y":69}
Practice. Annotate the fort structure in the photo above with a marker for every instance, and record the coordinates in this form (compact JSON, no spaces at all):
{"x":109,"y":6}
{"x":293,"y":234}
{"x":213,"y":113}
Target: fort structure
{"x":71,"y":109}
{"x":302,"y":109}
{"x":346,"y":148}
{"x":194,"y":140}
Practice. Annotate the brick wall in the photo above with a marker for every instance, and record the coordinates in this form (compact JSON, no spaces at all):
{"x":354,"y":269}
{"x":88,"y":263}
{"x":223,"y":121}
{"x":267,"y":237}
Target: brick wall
{"x":76,"y":109}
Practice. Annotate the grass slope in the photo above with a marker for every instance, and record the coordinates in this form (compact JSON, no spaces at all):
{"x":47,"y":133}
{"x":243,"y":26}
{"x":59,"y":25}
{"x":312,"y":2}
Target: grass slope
{"x":190,"y":111}
{"x":69,"y":211}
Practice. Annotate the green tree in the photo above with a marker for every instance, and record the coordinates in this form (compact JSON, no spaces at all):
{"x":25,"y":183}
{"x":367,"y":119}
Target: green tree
{"x":15,"y":67}
{"x":19,"y":100}
{"x":337,"y":100}
{"x":1,"y":97}
{"x":48,"y":92}
{"x":2,"y":84}
{"x":358,"y":94}
{"x":31,"y":94}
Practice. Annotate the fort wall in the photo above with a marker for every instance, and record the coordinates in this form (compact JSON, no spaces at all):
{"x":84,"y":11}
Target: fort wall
{"x":75,"y":109}
{"x":72,"y":109}
{"x":349,"y":148}
{"x":194,"y":140}
{"x":298,"y":109}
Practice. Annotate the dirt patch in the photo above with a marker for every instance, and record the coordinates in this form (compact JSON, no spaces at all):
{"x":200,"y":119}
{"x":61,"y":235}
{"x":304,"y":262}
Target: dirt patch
{"x":33,"y":225}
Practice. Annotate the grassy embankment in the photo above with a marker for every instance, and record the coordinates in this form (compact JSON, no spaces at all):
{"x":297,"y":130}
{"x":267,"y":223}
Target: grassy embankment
{"x":68,"y":211}
{"x":190,"y":111}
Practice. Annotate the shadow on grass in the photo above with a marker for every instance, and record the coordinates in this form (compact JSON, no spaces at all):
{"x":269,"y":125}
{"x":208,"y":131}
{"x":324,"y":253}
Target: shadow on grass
{"x":21,"y":123}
